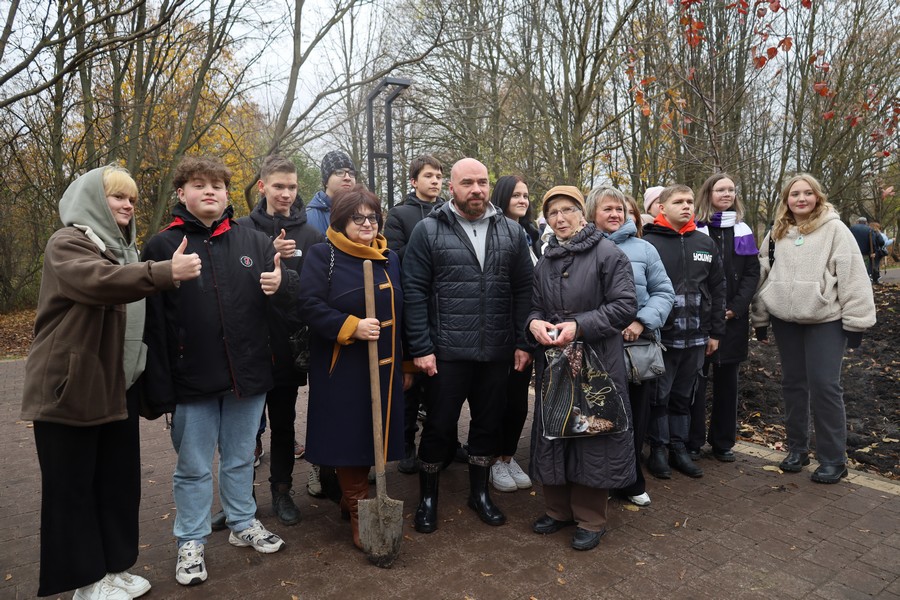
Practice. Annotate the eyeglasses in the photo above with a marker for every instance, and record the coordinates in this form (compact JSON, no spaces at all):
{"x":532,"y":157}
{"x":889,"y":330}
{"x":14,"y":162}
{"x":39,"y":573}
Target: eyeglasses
{"x":360,"y":219}
{"x":344,"y":172}
{"x":568,"y":210}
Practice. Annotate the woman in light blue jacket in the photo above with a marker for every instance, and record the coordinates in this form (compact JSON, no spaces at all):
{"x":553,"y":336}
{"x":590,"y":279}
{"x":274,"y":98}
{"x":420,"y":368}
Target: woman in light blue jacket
{"x":607,"y":208}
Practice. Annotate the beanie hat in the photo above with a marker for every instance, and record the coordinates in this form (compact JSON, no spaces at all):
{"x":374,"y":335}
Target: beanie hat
{"x":651,"y":196}
{"x":334,"y":160}
{"x":569,"y":192}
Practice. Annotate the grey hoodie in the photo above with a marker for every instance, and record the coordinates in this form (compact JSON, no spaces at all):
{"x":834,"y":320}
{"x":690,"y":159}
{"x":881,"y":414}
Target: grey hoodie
{"x":84,"y":206}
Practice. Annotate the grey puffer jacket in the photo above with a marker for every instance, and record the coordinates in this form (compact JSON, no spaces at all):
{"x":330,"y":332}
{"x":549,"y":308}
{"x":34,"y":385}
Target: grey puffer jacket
{"x":454,"y":308}
{"x":589,"y":281}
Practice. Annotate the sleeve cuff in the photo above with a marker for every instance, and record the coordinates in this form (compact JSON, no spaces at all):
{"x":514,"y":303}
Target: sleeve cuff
{"x":344,"y":336}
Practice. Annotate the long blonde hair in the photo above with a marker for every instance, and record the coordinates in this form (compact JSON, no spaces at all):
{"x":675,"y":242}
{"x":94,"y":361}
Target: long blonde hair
{"x":784,"y":218}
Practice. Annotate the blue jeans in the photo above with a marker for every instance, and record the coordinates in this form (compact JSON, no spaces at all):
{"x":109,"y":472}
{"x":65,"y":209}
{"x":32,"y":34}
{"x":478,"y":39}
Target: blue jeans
{"x":197,"y":427}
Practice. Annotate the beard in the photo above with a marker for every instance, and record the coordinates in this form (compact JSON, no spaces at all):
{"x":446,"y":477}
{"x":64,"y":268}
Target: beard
{"x":467,"y":209}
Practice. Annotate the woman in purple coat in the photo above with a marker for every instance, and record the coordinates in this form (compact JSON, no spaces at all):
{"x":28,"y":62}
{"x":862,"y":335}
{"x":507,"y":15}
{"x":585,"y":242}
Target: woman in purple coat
{"x":339,"y":419}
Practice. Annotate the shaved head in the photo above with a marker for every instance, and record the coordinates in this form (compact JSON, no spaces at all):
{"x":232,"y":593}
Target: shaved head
{"x":469,"y":188}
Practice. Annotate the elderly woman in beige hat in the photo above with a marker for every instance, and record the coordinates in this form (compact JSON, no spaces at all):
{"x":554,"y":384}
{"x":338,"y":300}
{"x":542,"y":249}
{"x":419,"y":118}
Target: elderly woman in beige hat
{"x":583,"y":289}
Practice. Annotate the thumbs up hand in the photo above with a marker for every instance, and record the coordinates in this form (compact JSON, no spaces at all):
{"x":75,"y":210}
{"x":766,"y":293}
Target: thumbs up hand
{"x":283,"y":246}
{"x":185,"y":266}
{"x":270,"y":281}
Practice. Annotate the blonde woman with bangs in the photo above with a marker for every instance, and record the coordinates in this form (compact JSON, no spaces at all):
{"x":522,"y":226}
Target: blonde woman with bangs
{"x":87,"y":352}
{"x":814,"y":290}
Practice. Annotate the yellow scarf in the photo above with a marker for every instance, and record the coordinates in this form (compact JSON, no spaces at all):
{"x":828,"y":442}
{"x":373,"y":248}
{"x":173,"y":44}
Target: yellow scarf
{"x":377,"y":250}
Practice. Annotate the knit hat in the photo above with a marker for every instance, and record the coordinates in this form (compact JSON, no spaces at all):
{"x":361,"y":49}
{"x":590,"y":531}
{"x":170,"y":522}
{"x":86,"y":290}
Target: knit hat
{"x":334,"y":160}
{"x":562,"y":191}
{"x":651,"y":196}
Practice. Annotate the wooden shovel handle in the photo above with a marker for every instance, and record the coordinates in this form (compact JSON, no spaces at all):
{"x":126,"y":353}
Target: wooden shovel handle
{"x":374,"y":380}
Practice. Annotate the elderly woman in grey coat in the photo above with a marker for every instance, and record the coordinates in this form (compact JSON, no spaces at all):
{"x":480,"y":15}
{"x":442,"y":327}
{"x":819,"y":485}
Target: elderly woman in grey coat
{"x":583,"y":288}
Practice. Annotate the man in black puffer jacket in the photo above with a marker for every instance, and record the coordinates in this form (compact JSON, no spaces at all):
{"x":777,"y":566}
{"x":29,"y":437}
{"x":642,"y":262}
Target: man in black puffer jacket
{"x":280,"y":215}
{"x":467,"y":285}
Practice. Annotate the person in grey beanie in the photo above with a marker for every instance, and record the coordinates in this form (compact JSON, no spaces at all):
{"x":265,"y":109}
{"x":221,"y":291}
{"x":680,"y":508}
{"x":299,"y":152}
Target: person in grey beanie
{"x":338,"y":174}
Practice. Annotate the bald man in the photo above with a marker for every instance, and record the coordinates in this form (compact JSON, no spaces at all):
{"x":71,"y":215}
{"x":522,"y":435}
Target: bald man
{"x":467,"y":291}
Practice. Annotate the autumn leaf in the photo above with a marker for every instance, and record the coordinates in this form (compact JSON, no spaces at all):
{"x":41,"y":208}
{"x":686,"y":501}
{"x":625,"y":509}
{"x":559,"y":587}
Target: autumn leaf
{"x":821,"y":88}
{"x":806,"y":3}
{"x":828,"y":115}
{"x":786,"y":43}
{"x":631,"y":507}
{"x":760,"y":61}
{"x":771,"y":52}
{"x":560,"y":568}
{"x":772,"y":468}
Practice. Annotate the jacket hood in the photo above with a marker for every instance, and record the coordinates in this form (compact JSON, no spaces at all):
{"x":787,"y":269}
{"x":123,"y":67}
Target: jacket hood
{"x":180,"y":212}
{"x":296,"y":218}
{"x":813,"y":224}
{"x":84,"y":206}
{"x":320,"y":201}
{"x":413,"y":200}
{"x":627,"y":230}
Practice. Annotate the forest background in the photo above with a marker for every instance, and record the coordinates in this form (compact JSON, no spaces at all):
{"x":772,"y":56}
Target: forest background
{"x":630,"y":92}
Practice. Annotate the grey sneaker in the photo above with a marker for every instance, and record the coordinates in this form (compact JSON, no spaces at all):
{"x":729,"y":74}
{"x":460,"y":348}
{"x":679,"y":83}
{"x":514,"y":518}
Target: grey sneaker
{"x":257,"y":537}
{"x":501,"y":479}
{"x":313,"y":483}
{"x":190,"y":568}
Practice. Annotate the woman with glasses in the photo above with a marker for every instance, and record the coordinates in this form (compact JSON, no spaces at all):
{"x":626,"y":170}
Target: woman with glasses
{"x":339,"y":418}
{"x":583,"y":289}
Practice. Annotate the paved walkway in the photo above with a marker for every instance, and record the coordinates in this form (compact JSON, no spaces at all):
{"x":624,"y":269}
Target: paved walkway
{"x":740,"y":532}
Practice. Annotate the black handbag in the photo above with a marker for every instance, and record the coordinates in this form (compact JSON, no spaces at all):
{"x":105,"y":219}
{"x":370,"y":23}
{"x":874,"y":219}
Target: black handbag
{"x":644,"y":359}
{"x":299,"y":343}
{"x":579,"y":398}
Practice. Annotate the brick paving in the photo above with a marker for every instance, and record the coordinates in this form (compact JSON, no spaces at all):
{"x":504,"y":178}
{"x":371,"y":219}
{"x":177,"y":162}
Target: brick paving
{"x":740,"y":532}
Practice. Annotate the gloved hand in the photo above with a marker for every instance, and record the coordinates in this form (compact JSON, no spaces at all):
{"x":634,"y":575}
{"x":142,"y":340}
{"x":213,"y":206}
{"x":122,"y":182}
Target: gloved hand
{"x":854,"y":338}
{"x":762,"y":333}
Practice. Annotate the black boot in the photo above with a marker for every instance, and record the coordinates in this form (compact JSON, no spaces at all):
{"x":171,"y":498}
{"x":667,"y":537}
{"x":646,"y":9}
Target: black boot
{"x":681,"y":460}
{"x":658,"y":463}
{"x":426,"y":513}
{"x":283,"y":505}
{"x":479,"y":497}
{"x":409,"y":464}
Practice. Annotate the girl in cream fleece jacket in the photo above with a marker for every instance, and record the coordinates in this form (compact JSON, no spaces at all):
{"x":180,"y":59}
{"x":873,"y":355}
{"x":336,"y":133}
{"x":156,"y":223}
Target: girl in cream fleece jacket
{"x":816,"y":294}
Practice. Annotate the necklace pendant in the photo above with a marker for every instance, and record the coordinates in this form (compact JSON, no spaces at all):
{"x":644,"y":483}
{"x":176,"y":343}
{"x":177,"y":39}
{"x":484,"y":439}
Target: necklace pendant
{"x":799,"y":240}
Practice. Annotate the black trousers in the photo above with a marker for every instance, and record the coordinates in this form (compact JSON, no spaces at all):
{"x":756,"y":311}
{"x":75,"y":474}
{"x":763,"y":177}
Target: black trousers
{"x":281,"y":403}
{"x":516,"y":411}
{"x":483,"y":384}
{"x":639,"y":395}
{"x":90,"y":498}
{"x":413,"y":398}
{"x":723,"y":416}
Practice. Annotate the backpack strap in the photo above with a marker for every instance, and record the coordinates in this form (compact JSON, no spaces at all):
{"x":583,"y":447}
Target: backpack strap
{"x":771,"y":250}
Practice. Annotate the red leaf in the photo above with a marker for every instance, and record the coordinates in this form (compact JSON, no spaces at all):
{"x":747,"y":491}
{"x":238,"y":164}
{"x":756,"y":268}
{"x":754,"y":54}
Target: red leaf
{"x":786,"y":43}
{"x":645,"y":111}
{"x":853,"y":120}
{"x":760,"y":61}
{"x":828,"y":115}
{"x":806,"y":3}
{"x":647,"y":81}
{"x":821,"y":88}
{"x":886,"y":153}
{"x":691,"y":73}
{"x":771,"y":52}
{"x":775,"y":5}
{"x":760,"y":12}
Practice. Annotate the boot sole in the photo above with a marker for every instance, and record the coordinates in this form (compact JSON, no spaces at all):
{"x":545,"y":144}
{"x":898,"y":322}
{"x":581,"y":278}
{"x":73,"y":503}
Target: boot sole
{"x":820,"y":479}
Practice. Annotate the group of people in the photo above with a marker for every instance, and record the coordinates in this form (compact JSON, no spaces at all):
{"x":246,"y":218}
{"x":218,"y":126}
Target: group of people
{"x":469,"y":297}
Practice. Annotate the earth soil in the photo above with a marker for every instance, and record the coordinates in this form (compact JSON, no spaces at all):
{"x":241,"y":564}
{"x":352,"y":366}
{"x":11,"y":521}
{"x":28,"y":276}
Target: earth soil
{"x":871,"y":381}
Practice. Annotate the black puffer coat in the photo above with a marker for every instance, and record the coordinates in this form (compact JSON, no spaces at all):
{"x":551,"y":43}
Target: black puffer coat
{"x":454,"y":308}
{"x":403,"y":218}
{"x":741,"y":279}
{"x":589,"y":281}
{"x":280,"y":325}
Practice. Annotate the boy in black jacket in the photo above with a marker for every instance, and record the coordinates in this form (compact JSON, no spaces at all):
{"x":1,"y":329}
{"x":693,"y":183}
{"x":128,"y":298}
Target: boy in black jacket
{"x":280,"y":215}
{"x":693,"y":330}
{"x":209,"y":360}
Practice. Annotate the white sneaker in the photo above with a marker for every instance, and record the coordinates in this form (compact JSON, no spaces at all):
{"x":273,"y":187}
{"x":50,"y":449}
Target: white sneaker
{"x":134,"y":585}
{"x":640,"y":500}
{"x":313,"y":484}
{"x":257,"y":536}
{"x":190,"y":568}
{"x":523,"y":482}
{"x":501,"y":478}
{"x":101,"y":590}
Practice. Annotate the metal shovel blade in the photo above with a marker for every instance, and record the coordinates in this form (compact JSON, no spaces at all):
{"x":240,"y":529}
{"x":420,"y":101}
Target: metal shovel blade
{"x":381,"y":529}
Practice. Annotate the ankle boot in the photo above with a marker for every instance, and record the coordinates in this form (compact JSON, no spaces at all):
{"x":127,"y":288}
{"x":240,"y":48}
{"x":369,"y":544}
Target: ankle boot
{"x":479,"y":496}
{"x":354,"y":483}
{"x":283,"y":505}
{"x":426,"y":513}
{"x":681,"y":460}
{"x":658,"y":463}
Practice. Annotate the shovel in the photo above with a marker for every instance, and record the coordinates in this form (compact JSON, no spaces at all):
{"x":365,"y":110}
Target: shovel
{"x":380,"y":518}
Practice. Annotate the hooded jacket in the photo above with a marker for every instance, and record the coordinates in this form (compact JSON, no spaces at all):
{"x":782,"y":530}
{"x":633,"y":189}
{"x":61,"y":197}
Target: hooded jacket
{"x":281,"y":325}
{"x":318,"y":211}
{"x":87,"y":347}
{"x":403,"y":218}
{"x":655,"y":295}
{"x":818,"y":277}
{"x":210,"y":336}
{"x":694,"y":266}
{"x":456,"y":309}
